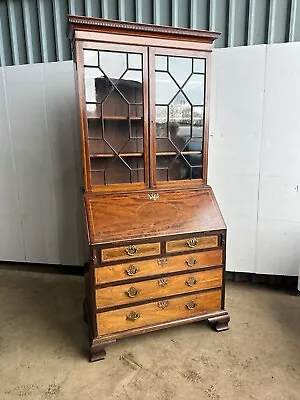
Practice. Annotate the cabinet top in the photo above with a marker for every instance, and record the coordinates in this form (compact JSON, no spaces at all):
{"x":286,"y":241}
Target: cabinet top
{"x":78,"y":23}
{"x":130,"y":216}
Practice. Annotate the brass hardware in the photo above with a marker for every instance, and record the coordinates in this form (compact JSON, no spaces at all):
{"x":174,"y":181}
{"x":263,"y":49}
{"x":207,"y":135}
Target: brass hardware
{"x":131,"y":270}
{"x":95,"y":258}
{"x":191,"y":281}
{"x":162,"y":281}
{"x":190,"y":305}
{"x":222,"y":239}
{"x":192,"y":242}
{"x":163,"y":304}
{"x":191,"y":261}
{"x":162,"y":261}
{"x":132,"y":292}
{"x":133,"y":316}
{"x":131,"y":250}
{"x":153,"y":196}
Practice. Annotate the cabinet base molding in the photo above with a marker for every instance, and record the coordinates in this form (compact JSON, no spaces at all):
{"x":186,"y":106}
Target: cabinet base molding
{"x":219,"y":323}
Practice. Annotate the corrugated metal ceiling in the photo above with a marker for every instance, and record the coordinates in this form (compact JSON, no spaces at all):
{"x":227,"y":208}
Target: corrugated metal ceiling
{"x":34,"y":31}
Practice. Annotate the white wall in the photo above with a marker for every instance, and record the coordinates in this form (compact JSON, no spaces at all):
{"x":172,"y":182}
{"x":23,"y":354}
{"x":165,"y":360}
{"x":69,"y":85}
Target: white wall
{"x":254,"y":164}
{"x":255,"y":155}
{"x":40,"y":168}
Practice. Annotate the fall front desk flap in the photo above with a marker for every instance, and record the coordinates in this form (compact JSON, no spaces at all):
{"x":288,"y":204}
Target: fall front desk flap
{"x":151,"y":214}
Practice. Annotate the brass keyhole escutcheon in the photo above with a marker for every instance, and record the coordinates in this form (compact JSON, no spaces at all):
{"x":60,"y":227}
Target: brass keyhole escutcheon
{"x":190,"y":305}
{"x":162,"y":261}
{"x":192,"y":242}
{"x":132,"y":292}
{"x":133,"y":316}
{"x":191,"y":261}
{"x":163,"y":304}
{"x":131,"y":250}
{"x":162,"y":282}
{"x":153,"y":196}
{"x":191,"y":281}
{"x":131,"y":270}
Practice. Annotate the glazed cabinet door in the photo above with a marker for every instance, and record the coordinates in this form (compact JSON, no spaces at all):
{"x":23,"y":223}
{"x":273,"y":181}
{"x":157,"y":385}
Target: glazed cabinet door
{"x":178,"y":117}
{"x":113,"y":94}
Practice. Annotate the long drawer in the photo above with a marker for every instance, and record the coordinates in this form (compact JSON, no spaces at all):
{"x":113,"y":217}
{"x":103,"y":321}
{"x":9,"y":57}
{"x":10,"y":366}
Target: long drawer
{"x":158,"y":312}
{"x":157,"y":288}
{"x":130,"y":251}
{"x":157,"y":266}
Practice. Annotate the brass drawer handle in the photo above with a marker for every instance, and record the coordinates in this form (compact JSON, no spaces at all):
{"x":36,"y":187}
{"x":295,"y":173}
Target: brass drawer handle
{"x":163,"y":304}
{"x":131,"y":270}
{"x":153,"y":196}
{"x":190,"y":305}
{"x":132,"y":292}
{"x":162,"y":261}
{"x":192,"y":242}
{"x":191,"y":261}
{"x":191,"y":281}
{"x":131,"y":250}
{"x":162,"y":282}
{"x":133,"y":316}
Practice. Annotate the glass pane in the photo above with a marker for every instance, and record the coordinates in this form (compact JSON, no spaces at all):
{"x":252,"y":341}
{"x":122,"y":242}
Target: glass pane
{"x":194,"y":89}
{"x":113,"y":64}
{"x":198,"y":120}
{"x":114,"y":105}
{"x":90,"y":58}
{"x":179,"y":119}
{"x":135,"y":61}
{"x":166,"y":88}
{"x":180,"y":68}
{"x":199,"y":65}
{"x":161,"y":63}
{"x":130,"y":86}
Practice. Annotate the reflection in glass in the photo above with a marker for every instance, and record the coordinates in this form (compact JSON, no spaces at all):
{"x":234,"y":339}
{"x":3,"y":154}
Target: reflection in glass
{"x":113,"y":64}
{"x":179,"y":118}
{"x":180,"y":68}
{"x":114,"y":105}
{"x":166,"y":88}
{"x":194,"y":89}
{"x":198,"y":120}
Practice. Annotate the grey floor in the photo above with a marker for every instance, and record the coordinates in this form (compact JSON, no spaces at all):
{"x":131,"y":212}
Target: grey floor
{"x":43,"y":346}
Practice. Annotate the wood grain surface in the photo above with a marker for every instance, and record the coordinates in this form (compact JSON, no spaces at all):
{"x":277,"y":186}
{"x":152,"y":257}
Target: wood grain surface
{"x":128,"y":216}
{"x":157,"y":266}
{"x":157,"y":288}
{"x":151,"y":313}
{"x":203,"y":242}
{"x":123,"y":252}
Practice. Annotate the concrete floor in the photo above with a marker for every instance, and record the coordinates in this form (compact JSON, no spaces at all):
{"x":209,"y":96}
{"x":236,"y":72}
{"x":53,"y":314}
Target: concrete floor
{"x":43,"y":344}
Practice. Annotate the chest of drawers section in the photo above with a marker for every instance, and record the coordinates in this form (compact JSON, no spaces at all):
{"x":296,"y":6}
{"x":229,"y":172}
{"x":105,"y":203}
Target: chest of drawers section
{"x":141,"y":287}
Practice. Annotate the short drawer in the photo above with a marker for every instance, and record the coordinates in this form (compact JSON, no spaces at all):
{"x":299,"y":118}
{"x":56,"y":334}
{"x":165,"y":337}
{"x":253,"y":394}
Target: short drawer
{"x":157,"y":288}
{"x":158,"y":266}
{"x":192,"y":243}
{"x":158,"y":312}
{"x":130,"y":251}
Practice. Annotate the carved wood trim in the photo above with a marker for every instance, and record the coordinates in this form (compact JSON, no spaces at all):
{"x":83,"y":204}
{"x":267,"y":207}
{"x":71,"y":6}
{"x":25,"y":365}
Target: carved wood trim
{"x":146,"y":28}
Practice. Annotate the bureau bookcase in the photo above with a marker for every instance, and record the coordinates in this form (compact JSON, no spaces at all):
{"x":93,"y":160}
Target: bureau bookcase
{"x":156,"y":235}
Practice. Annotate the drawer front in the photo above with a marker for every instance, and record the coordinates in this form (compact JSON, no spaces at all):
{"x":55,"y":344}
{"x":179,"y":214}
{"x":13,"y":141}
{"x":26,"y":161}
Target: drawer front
{"x":140,"y":269}
{"x":157,"y":288}
{"x":192,"y":243}
{"x":158,"y":312}
{"x":130,"y":251}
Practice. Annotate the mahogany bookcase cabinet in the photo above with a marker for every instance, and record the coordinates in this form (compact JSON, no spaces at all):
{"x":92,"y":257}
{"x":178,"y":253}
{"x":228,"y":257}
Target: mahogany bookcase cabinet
{"x":156,"y":235}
